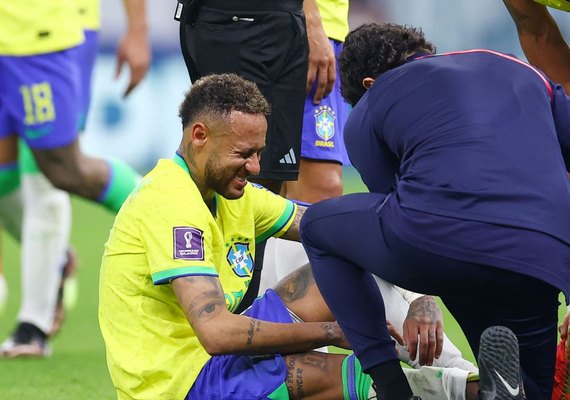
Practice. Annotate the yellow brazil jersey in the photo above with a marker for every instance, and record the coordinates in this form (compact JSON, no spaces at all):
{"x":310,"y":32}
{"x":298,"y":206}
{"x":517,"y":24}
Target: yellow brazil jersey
{"x":164,"y":231}
{"x":90,"y":14}
{"x":334,"y":14}
{"x":29,"y":27}
{"x":560,"y":4}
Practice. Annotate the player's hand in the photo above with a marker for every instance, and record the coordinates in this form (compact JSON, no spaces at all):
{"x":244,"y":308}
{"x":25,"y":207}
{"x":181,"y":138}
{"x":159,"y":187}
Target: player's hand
{"x":322,"y":63}
{"x":396,"y":335}
{"x":563,"y":328}
{"x":133,"y":49}
{"x":424,"y":323}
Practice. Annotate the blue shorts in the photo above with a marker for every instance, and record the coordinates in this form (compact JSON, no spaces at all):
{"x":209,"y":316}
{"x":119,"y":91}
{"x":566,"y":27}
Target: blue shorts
{"x":323,"y":123}
{"x":239,"y":377}
{"x":85,"y":55}
{"x":39,"y":98}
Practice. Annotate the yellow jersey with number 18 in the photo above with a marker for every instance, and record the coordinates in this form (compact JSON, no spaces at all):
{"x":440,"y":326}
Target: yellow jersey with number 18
{"x":165,"y":231}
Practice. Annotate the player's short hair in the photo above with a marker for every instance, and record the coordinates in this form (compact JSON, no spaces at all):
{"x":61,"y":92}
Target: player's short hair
{"x":220,"y":94}
{"x":372,"y":49}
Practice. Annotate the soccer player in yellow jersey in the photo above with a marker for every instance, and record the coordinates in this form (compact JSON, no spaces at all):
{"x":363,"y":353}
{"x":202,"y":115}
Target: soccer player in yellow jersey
{"x":182,"y":249}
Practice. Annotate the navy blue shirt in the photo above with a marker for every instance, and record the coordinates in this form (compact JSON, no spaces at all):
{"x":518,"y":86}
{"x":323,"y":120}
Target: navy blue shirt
{"x":470,"y":144}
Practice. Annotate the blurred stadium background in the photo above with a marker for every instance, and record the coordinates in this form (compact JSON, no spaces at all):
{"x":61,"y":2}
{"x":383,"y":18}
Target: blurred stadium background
{"x":145,"y":127}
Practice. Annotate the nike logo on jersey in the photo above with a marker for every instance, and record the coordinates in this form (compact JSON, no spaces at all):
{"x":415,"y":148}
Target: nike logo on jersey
{"x":514,"y":391}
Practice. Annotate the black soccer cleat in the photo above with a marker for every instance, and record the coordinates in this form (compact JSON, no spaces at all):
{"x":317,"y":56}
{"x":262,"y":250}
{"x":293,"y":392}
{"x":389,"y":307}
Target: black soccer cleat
{"x":499,"y":366}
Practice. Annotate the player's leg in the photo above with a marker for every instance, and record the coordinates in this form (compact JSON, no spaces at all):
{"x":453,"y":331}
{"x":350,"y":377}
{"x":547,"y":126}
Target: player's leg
{"x":343,"y":258}
{"x":45,"y":246}
{"x":48,"y":88}
{"x":322,"y":149}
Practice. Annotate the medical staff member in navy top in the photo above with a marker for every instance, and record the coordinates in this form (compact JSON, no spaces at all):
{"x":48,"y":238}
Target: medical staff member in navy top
{"x":466,"y":156}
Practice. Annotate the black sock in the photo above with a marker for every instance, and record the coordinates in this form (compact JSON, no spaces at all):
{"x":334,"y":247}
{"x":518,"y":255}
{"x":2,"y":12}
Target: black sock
{"x":390,"y":381}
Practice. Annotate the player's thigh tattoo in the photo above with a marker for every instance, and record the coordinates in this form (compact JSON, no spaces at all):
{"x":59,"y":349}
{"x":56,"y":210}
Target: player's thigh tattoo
{"x":295,"y":285}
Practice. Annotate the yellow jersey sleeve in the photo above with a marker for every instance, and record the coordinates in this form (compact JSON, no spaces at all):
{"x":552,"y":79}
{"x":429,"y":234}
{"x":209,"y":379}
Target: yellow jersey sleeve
{"x":334,"y":15}
{"x":178,"y":235}
{"x":273,"y":214}
{"x":563,"y":5}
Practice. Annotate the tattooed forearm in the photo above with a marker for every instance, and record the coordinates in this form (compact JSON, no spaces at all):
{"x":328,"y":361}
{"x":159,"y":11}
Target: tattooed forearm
{"x":294,"y":286}
{"x":254,"y":326}
{"x":293,"y":231}
{"x":330,"y":329}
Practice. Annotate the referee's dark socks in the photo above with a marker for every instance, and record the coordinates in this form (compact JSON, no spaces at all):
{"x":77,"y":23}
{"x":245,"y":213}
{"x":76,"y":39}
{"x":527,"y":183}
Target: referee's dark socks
{"x":390,"y":382}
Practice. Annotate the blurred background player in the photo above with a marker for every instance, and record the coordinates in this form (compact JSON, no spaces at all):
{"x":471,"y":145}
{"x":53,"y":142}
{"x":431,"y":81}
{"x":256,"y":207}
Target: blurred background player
{"x":47,"y":259}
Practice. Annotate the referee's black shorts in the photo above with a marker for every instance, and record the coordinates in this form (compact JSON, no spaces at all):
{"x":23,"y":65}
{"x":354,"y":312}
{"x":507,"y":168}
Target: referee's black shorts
{"x":265,"y":42}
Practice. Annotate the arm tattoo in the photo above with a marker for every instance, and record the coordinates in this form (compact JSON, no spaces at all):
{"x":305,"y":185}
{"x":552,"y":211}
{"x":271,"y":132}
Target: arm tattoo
{"x":295,"y":285}
{"x":208,"y":299}
{"x":254,"y":326}
{"x":329,"y":328}
{"x":293,"y":231}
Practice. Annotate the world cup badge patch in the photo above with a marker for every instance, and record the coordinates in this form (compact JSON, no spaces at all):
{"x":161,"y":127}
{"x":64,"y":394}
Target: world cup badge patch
{"x":188,"y":243}
{"x":240,"y":259}
{"x":324,"y":126}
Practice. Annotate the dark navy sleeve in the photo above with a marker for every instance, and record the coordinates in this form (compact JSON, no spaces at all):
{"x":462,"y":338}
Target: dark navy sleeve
{"x":561,"y":112}
{"x":368,"y":153}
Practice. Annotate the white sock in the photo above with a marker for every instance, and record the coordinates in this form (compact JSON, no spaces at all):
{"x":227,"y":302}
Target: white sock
{"x":436,"y":383}
{"x":45,"y":238}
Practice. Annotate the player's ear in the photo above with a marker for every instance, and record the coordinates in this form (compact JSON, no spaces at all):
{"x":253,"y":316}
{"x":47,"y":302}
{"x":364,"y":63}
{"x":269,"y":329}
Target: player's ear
{"x":198,"y":133}
{"x":367,"y":82}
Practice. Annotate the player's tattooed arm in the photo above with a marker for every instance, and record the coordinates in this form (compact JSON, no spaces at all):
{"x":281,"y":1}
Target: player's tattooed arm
{"x":293,"y":231}
{"x":221,"y":332}
{"x":201,"y":297}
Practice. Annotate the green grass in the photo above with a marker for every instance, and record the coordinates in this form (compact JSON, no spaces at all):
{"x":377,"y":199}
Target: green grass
{"x":77,"y":368}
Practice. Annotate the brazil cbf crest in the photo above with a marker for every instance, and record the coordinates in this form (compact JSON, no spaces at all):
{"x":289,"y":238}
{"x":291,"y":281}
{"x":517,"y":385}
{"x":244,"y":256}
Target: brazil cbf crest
{"x":324,"y":122}
{"x":239,"y":258}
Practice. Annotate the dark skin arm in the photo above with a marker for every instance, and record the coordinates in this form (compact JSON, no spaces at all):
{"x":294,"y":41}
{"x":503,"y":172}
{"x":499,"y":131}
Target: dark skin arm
{"x":293,"y":232}
{"x":541,"y":40}
{"x":221,"y":332}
